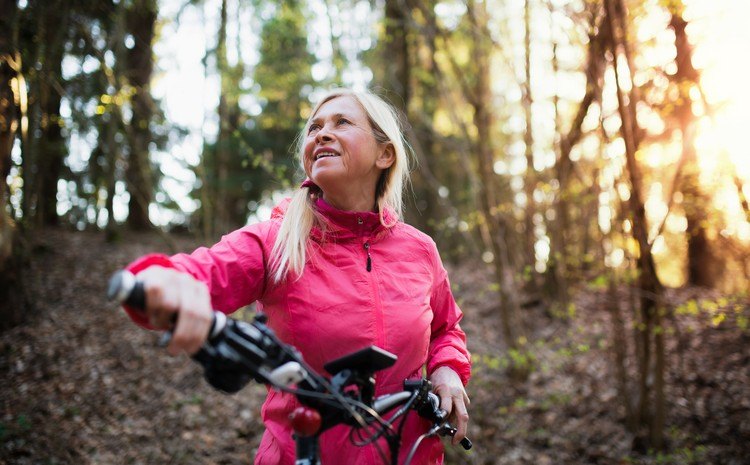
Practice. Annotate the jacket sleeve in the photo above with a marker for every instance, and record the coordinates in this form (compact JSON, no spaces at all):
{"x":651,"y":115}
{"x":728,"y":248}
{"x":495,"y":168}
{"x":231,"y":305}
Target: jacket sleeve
{"x":447,"y":341}
{"x":234,"y":269}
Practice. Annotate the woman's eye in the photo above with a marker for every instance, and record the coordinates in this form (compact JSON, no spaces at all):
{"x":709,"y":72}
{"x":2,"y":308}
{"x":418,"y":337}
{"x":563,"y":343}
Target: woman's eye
{"x":313,"y":127}
{"x":343,"y":121}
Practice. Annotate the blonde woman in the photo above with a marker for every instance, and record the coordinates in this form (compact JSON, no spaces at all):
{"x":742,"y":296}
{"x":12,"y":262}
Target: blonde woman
{"x":335,"y":271}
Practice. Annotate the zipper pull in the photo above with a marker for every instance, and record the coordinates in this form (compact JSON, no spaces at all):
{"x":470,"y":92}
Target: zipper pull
{"x":369,"y":259}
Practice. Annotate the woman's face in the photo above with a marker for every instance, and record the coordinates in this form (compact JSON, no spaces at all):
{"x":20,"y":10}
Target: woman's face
{"x":341,"y":154}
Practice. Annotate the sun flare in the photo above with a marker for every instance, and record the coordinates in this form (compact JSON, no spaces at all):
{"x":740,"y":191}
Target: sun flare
{"x":721,"y":40}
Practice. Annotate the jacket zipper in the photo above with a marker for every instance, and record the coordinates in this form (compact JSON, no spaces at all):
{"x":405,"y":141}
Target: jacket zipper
{"x":380,"y":339}
{"x":369,"y":259}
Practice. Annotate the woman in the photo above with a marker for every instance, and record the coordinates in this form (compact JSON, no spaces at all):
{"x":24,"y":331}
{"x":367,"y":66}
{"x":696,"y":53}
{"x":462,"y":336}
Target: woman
{"x":335,"y":271}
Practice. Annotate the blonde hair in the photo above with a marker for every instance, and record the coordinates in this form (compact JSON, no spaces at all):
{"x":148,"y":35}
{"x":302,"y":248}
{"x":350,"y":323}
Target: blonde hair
{"x":290,"y":249}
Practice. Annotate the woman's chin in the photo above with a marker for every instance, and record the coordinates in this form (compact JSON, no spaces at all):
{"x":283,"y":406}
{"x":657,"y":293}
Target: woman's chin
{"x":325,"y":177}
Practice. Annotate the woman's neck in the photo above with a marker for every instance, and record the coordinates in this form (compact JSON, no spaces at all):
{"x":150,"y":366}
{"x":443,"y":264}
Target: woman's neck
{"x":351,"y":203}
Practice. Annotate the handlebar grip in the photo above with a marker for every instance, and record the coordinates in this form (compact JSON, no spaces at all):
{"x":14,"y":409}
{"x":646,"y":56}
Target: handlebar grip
{"x":466,"y":443}
{"x":126,"y":290}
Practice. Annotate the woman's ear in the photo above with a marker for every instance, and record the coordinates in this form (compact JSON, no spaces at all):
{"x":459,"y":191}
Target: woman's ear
{"x":386,"y":158}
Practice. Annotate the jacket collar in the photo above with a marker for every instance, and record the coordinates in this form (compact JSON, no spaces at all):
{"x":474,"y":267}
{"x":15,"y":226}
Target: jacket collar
{"x":341,"y":224}
{"x":338,"y":224}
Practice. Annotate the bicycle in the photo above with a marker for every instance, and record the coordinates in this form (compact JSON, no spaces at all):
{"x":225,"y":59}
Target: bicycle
{"x":237,"y":351}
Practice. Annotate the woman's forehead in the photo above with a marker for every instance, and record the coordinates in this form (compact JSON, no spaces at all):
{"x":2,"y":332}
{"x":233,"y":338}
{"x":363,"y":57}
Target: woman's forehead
{"x":340,"y":105}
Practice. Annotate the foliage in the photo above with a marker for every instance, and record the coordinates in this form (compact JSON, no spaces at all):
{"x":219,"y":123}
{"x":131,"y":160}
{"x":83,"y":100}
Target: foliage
{"x":261,"y":146}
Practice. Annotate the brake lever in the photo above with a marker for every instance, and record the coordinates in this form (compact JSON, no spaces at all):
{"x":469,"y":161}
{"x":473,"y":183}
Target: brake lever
{"x":446,"y":429}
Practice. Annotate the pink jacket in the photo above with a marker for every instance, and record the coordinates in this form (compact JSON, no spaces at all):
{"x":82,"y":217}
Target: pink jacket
{"x":403,"y":304}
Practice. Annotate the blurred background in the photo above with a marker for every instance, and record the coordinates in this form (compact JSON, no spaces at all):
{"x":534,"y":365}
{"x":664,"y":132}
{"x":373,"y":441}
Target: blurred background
{"x":581,"y":164}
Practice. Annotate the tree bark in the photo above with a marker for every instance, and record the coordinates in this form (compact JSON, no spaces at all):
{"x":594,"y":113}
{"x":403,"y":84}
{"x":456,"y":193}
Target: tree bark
{"x":113,"y":121}
{"x":594,"y":70}
{"x":480,"y":99}
{"x":620,"y":346}
{"x":112,"y":153}
{"x":695,"y":201}
{"x":52,"y":149}
{"x":650,"y":414}
{"x":221,"y":209}
{"x":620,"y":349}
{"x":141,"y":22}
{"x":559,"y":264}
{"x":229,"y":205}
{"x":439,"y":166}
{"x":9,"y":69}
{"x":396,"y":49}
{"x":530,"y":179}
{"x":13,"y":302}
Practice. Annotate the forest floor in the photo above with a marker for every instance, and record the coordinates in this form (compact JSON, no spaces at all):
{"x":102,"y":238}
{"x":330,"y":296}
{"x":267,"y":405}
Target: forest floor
{"x":83,"y":385}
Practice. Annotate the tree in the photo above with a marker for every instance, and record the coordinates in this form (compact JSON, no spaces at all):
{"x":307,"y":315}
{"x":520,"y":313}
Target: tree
{"x":222,"y":166}
{"x":140,"y":25}
{"x":561,"y":261}
{"x":48,"y":27}
{"x":284,"y":76}
{"x":474,"y":79}
{"x":394,"y":72}
{"x":9,"y":73}
{"x":651,"y":408}
{"x":252,"y":154}
{"x":395,"y":49}
{"x":696,"y":202}
{"x":13,"y":303}
{"x":529,"y":236}
{"x":225,"y":217}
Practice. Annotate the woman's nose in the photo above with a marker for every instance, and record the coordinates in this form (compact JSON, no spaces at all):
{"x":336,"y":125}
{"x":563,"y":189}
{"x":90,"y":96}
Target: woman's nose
{"x":324,"y":134}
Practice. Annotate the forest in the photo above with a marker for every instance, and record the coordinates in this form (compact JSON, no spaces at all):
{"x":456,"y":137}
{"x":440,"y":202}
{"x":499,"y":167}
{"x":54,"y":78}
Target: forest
{"x":580,"y":164}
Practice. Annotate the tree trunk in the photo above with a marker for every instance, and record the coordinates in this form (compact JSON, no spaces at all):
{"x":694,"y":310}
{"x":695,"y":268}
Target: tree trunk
{"x":402,"y":62}
{"x":650,"y":414}
{"x":221,"y":213}
{"x":112,"y":153}
{"x":52,"y":148}
{"x":489,"y":197}
{"x":396,"y":49}
{"x":112,"y":123}
{"x":226,"y":214}
{"x":594,"y":71}
{"x":620,"y":350}
{"x":620,"y":344}
{"x":743,"y":198}
{"x":9,"y":69}
{"x":530,"y":179}
{"x":438,"y":168}
{"x":141,"y":22}
{"x":13,"y":302}
{"x":395,"y":78}
{"x":695,"y":202}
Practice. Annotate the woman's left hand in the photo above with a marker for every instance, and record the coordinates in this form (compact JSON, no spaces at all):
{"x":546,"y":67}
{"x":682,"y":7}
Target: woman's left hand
{"x":453,"y":399}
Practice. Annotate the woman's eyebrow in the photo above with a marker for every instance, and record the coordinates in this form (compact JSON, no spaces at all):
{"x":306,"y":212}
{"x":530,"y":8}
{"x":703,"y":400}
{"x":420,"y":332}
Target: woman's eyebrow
{"x":318,"y":119}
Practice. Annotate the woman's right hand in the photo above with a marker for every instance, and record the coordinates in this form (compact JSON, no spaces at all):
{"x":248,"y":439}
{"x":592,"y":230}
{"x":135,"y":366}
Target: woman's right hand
{"x":172,"y":296}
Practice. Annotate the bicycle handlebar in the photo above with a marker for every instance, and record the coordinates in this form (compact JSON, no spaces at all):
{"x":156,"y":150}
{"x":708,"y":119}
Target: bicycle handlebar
{"x":236,"y":352}
{"x":233,"y":348}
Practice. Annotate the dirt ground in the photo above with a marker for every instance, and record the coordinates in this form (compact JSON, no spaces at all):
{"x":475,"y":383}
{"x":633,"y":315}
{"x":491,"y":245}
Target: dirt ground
{"x":83,"y":385}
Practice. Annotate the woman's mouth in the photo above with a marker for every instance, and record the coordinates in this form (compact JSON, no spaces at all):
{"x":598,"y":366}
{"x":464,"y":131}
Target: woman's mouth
{"x":320,"y":155}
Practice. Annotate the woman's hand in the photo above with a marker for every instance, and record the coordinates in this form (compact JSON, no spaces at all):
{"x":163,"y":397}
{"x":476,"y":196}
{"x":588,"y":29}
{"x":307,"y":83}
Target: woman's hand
{"x":173,"y":296}
{"x":453,"y":399}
